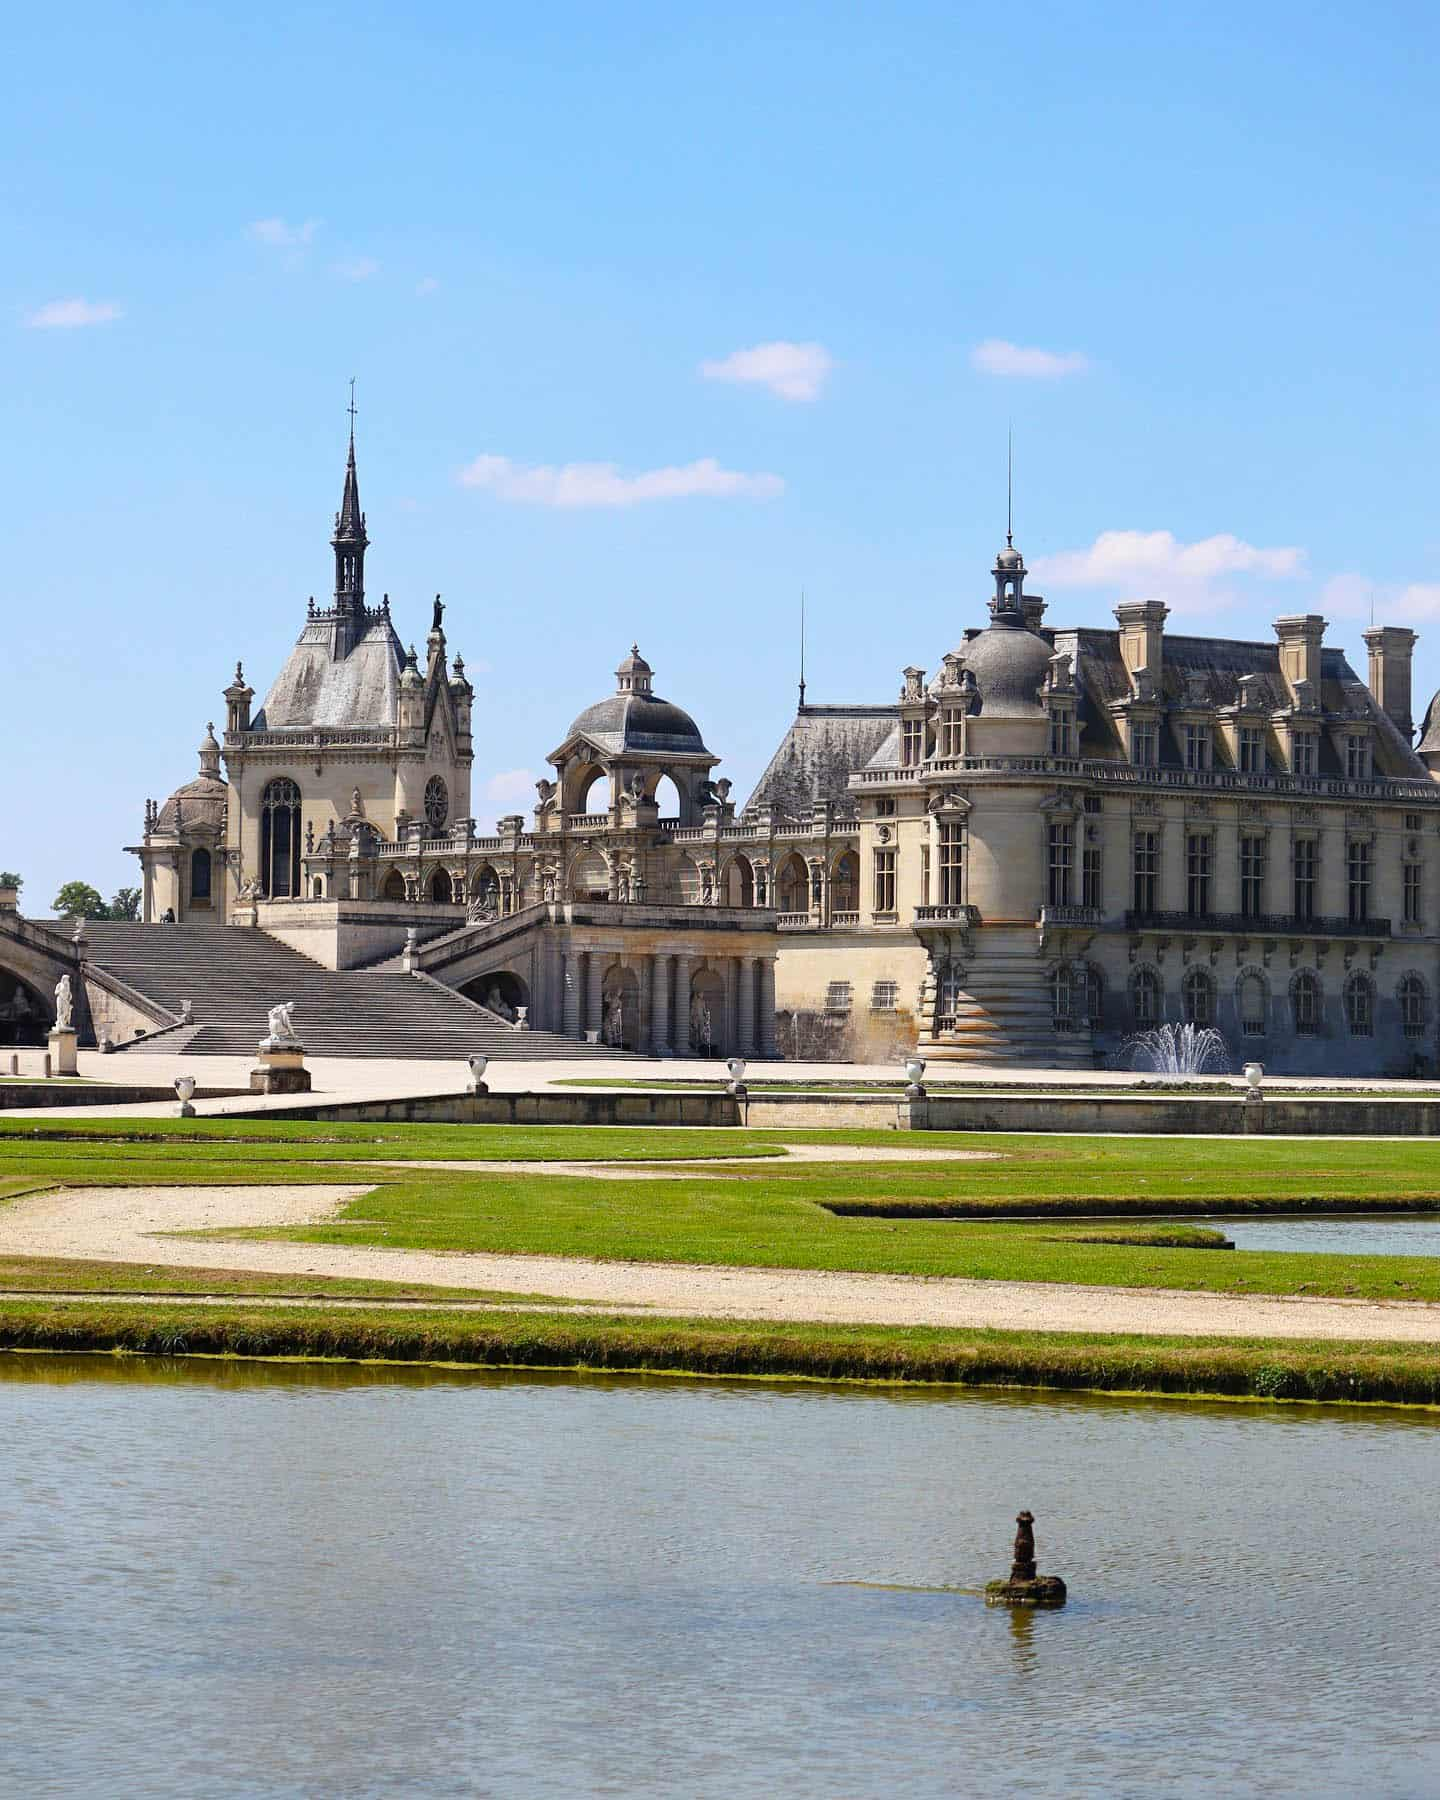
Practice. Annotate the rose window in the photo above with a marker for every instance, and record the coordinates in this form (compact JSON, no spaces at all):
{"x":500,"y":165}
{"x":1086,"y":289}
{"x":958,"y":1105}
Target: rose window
{"x":437,"y":805}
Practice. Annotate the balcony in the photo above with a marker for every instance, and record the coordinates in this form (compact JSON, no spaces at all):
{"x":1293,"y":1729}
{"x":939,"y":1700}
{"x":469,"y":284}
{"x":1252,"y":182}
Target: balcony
{"x":793,"y":921}
{"x":1260,"y":925}
{"x":1069,"y":915}
{"x":947,"y":915}
{"x":844,"y":918}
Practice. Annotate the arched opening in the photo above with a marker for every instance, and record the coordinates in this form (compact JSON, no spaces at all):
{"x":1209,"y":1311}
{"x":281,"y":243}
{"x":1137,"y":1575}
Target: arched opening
{"x":485,"y":888}
{"x":1146,"y":998}
{"x":1413,"y":1005}
{"x":25,"y":1015}
{"x":740,"y":882}
{"x":1197,"y":998}
{"x":666,"y":796}
{"x":1250,"y":1002}
{"x":845,"y":884}
{"x":620,"y":1009}
{"x":441,"y":891}
{"x":688,"y":875}
{"x":1305,"y":1002}
{"x":584,"y":797}
{"x":1360,"y":1005}
{"x":792,"y":885}
{"x":1062,"y":997}
{"x":502,"y":991}
{"x":709,"y":1027}
{"x":394,"y":887}
{"x":1090,"y":995}
{"x":317,"y":888}
{"x":589,"y":877}
{"x":200,"y":878}
{"x":280,"y":839}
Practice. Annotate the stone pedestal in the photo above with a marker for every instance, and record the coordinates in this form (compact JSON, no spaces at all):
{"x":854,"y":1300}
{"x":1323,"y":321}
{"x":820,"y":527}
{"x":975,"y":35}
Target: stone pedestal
{"x":62,"y":1052}
{"x":280,"y":1069}
{"x":1038,"y":1590}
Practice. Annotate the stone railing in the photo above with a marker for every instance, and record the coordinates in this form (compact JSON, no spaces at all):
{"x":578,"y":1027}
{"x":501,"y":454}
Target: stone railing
{"x":947,"y":915}
{"x":793,"y":921}
{"x":1258,"y":925}
{"x":1394,"y":788}
{"x":1069,"y":915}
{"x":844,"y":918}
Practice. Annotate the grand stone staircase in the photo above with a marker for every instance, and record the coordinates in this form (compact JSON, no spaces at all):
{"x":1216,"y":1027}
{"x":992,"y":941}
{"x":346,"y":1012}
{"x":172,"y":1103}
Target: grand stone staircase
{"x":1005,"y":1013}
{"x":233,"y":977}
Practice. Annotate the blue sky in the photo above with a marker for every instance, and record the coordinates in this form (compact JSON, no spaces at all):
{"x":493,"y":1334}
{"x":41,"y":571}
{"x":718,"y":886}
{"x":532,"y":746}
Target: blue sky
{"x":1189,"y":253}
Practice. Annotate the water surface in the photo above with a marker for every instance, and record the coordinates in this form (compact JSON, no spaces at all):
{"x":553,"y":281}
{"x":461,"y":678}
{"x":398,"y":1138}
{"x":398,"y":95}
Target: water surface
{"x":1335,"y":1234}
{"x":247,"y":1579}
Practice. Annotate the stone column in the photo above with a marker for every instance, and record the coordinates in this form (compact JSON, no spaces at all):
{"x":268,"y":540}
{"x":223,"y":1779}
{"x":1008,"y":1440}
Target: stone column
{"x":680,"y":1030}
{"x":147,"y":880}
{"x":765,"y":1022}
{"x":594,"y":995}
{"x":645,"y":1000}
{"x":745,"y":1016}
{"x":732,"y":1006}
{"x":570,"y":993}
{"x":660,"y":1007}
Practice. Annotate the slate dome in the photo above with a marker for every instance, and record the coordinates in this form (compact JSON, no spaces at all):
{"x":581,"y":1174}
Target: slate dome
{"x":1009,"y":663}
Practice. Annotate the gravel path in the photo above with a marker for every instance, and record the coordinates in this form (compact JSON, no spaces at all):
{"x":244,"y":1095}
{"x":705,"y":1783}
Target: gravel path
{"x":729,"y":1167}
{"x":114,"y":1225}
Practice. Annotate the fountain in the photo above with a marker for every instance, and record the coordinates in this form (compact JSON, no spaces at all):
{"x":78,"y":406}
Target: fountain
{"x":1176,"y":1050}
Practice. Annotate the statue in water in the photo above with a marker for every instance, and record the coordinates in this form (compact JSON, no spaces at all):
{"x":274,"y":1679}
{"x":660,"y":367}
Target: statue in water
{"x":64,"y":1005}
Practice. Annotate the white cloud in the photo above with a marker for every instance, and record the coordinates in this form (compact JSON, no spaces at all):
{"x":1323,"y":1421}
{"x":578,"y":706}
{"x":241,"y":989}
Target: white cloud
{"x":512,"y":787}
{"x":1393,"y":603}
{"x":426,"y":285}
{"x":793,"y":371}
{"x":602,"y":484}
{"x":997,"y":357}
{"x":1156,"y":565}
{"x":281,"y":235}
{"x":358,"y":268}
{"x":65,"y":315}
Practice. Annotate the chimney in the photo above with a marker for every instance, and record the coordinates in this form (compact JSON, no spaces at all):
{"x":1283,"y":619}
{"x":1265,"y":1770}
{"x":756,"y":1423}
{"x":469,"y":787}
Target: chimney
{"x":1300,"y":635}
{"x":1032,"y":609}
{"x":1142,"y":637}
{"x":1390,"y":648}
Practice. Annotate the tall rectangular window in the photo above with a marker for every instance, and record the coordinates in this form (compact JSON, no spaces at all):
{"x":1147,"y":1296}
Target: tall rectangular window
{"x":1090,"y":886}
{"x":1357,"y":755}
{"x":1252,"y":750}
{"x":950,"y":731}
{"x":1197,"y":746}
{"x":912,"y":742}
{"x":884,"y":881}
{"x":1144,"y":744}
{"x":925,"y":874}
{"x":952,"y":862}
{"x":1062,"y":857}
{"x":1302,"y":753}
{"x":1197,"y":872}
{"x":1411,"y":893}
{"x":1146,"y":869}
{"x":1062,"y":732}
{"x":1305,"y":861}
{"x":1252,"y":876}
{"x":1357,"y":879}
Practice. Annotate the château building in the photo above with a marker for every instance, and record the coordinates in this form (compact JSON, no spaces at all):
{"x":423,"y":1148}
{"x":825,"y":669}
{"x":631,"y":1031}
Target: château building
{"x":1063,"y":837}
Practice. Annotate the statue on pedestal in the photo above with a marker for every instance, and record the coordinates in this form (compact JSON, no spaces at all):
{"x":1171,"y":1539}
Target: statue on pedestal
{"x":64,"y":1005}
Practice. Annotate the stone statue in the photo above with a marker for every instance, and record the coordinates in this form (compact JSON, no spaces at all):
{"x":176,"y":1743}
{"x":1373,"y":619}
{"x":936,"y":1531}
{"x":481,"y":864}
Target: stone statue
{"x":1023,"y":1566}
{"x":282,"y":1025}
{"x":250,"y":890}
{"x":707,"y":886}
{"x":64,"y":1005}
{"x":482,"y":908}
{"x":357,"y":811}
{"x":438,"y":615}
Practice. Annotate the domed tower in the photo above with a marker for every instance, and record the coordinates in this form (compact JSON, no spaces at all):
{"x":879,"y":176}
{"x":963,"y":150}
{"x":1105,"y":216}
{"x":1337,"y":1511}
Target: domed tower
{"x":182,"y":856}
{"x":1008,"y":664}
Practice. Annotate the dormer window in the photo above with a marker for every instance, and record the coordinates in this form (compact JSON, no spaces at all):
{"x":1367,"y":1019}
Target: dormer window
{"x":1062,"y":732}
{"x":1357,"y":756}
{"x":1144,"y":744}
{"x":1302,"y":753}
{"x":1197,"y":746}
{"x":912,"y":743}
{"x":1250,"y":747}
{"x":951,"y":731}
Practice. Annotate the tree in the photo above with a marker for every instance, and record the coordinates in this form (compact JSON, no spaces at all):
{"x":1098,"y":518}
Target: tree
{"x":8,"y":878}
{"x":78,"y":900}
{"x":125,"y":905}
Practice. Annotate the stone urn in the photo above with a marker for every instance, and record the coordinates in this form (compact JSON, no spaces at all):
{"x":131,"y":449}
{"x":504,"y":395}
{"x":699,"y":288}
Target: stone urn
{"x":915,"y":1077}
{"x":735,"y":1066}
{"x":478,"y":1066}
{"x":185,"y":1092}
{"x":1254,"y":1075}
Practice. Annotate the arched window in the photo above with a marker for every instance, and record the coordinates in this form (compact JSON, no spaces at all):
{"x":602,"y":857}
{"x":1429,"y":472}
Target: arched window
{"x":317,"y":888}
{"x":1413,"y":1007}
{"x":1305,"y":1002}
{"x":740,"y":882}
{"x":200,"y":877}
{"x":1360,"y":1005}
{"x":1251,"y":998}
{"x":485,"y":887}
{"x":440,"y":889}
{"x":1145,"y":998}
{"x":1092,"y":993}
{"x":394,"y":888}
{"x":845,"y":884}
{"x":437,"y":805}
{"x":1062,"y":997}
{"x":793,"y":886}
{"x":1197,"y":997}
{"x":280,"y":839}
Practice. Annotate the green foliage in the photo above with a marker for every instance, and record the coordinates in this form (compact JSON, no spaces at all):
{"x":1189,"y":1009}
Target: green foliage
{"x":78,"y":900}
{"x":9,"y":879}
{"x":124,"y":905}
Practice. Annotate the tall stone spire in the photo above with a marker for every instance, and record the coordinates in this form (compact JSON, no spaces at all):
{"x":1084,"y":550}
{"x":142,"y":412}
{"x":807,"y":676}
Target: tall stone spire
{"x":350,"y":540}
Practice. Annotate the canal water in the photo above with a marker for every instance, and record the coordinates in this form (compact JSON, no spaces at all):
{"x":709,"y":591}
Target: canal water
{"x":252,"y":1579}
{"x":1333,"y":1234}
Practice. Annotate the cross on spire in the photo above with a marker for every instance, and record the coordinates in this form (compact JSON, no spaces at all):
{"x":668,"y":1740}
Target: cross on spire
{"x":351,"y":410}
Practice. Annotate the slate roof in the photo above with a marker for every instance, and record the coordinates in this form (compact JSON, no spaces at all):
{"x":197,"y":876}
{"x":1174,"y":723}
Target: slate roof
{"x":824,"y":747}
{"x":317,"y":688}
{"x":639,"y":724}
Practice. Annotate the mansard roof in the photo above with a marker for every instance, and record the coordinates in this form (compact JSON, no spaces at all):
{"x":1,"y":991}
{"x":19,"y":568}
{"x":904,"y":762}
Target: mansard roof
{"x":318,"y":688}
{"x":823,"y":748}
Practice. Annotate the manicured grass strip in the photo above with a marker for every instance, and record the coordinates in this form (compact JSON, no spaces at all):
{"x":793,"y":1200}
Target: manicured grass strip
{"x":1245,"y":1368}
{"x":76,"y":1275}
